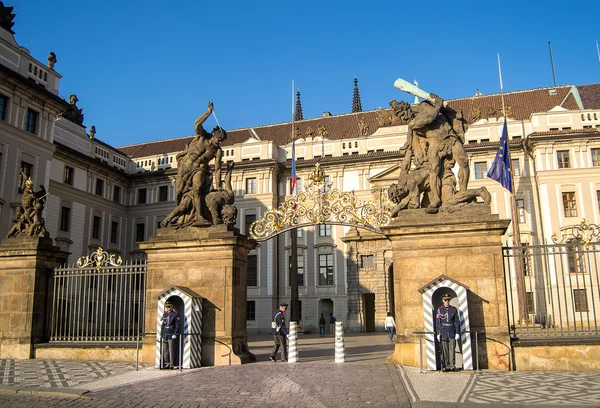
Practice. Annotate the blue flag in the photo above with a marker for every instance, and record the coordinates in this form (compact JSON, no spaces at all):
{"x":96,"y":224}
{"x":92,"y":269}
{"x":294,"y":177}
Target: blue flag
{"x":500,"y":170}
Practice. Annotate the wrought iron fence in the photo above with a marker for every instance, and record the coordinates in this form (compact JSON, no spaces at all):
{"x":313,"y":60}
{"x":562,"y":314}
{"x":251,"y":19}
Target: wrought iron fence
{"x":100,"y":300}
{"x":553,"y":290}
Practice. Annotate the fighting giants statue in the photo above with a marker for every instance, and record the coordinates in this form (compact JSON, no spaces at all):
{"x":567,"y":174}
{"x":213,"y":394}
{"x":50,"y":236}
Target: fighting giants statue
{"x":30,"y":222}
{"x":435,"y":143}
{"x":201,"y":201}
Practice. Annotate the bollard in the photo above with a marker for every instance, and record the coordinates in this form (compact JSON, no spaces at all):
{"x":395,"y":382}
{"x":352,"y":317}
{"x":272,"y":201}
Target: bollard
{"x":340,"y":353}
{"x":292,"y":349}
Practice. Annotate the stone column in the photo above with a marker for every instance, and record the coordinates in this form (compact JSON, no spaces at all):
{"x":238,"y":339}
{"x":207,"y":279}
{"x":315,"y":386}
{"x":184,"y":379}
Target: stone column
{"x":25,"y":267}
{"x":466,"y":248}
{"x":212,"y":262}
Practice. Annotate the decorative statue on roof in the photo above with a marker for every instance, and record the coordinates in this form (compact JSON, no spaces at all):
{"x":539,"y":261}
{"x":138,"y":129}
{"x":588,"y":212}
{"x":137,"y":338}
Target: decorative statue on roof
{"x":30,"y":222}
{"x":434,"y":144}
{"x":200,"y":199}
{"x":52,"y":60}
{"x":6,"y":17}
{"x":73,"y":113}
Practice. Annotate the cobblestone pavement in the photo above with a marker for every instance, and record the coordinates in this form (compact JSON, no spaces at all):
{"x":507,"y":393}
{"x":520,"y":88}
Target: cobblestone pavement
{"x":315,"y":381}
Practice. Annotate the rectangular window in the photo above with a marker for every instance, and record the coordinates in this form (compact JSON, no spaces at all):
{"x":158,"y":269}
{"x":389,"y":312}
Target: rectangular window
{"x":163,"y":193}
{"x":516,"y":167}
{"x":65,"y":218}
{"x":248,"y":220}
{"x":480,"y":170}
{"x":299,"y":231}
{"x":530,"y":303}
{"x":569,"y":204}
{"x":114,"y":231}
{"x":575,"y":257}
{"x":521,"y":210}
{"x":252,"y":270}
{"x":68,"y":175}
{"x":251,"y":185}
{"x":142,"y":196}
{"x":31,"y":121}
{"x":26,"y":170}
{"x":251,"y":310}
{"x":300,"y":270}
{"x":563,"y":159}
{"x":526,"y":260}
{"x":140,"y":232}
{"x":595,"y":157}
{"x":116,"y":194}
{"x":96,"y":227}
{"x":100,"y":187}
{"x":580,"y":300}
{"x":366,"y":261}
{"x":3,"y":107}
{"x":324,"y":230}
{"x":325,"y":269}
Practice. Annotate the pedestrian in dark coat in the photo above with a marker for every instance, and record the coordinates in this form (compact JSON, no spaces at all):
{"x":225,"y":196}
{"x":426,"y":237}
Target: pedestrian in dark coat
{"x":447,"y":323}
{"x":280,"y":333}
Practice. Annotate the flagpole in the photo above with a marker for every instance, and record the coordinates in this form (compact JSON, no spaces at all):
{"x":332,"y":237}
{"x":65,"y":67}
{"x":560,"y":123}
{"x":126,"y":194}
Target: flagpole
{"x":293,"y":265}
{"x":523,"y":316}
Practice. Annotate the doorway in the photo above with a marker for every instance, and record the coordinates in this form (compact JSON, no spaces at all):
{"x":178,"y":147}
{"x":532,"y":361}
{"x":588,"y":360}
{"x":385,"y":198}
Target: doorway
{"x":369,"y":311}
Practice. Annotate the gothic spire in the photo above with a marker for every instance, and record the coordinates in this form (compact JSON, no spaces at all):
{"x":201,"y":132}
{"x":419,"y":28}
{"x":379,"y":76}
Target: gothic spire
{"x":356,"y":105}
{"x":298,"y":112}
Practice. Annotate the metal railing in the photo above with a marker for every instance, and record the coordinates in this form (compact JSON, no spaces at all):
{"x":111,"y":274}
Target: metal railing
{"x":98,"y":304}
{"x":559,"y":292}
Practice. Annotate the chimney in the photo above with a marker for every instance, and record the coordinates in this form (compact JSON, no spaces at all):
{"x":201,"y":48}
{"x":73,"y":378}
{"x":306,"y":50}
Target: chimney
{"x":327,"y":114}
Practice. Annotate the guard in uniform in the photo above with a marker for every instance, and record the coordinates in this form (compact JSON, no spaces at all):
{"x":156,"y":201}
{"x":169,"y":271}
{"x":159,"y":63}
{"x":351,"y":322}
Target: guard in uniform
{"x":168,"y":334}
{"x":280,"y":333}
{"x":447,"y":323}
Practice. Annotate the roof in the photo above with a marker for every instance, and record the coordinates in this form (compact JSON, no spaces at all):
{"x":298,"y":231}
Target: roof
{"x":521,"y":104}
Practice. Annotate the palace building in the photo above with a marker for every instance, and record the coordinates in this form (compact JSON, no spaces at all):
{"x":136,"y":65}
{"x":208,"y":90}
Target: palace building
{"x":115,"y":197}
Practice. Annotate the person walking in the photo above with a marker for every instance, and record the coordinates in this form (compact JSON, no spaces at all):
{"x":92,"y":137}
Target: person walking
{"x":332,"y":321}
{"x":322,"y":326}
{"x":447,"y":324}
{"x":390,"y":325}
{"x":280,"y":333}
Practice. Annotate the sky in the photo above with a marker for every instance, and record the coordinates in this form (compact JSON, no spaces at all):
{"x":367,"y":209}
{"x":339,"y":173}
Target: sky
{"x":144,"y":70}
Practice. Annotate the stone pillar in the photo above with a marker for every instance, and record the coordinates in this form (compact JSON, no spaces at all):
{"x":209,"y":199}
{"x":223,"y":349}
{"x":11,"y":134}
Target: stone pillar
{"x":466,"y":248}
{"x":26,"y":264}
{"x":212,"y":262}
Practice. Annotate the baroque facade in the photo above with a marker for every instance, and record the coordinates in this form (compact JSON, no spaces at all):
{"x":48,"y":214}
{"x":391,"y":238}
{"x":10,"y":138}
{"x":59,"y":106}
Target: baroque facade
{"x":114,"y":198}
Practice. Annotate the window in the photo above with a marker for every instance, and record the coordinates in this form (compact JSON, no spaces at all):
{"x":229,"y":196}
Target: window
{"x":31,"y":121}
{"x":96,"y":227}
{"x":26,"y":170}
{"x":163,"y":193}
{"x":569,"y":204}
{"x":300,"y":270}
{"x":516,"y":167}
{"x":480,"y":170}
{"x":521,"y":210}
{"x":526,"y":261}
{"x":142,"y":196}
{"x":251,"y":310}
{"x":68,"y":175}
{"x":598,"y":198}
{"x":580,"y":300}
{"x":3,"y":107}
{"x":65,"y":218}
{"x":116,"y":194}
{"x":114,"y":230}
{"x":252,"y":271}
{"x":366,"y":261}
{"x":575,"y":257}
{"x":140,"y":232}
{"x":324,"y":230}
{"x":249,"y":219}
{"x":595,"y":157}
{"x":100,"y":187}
{"x":325,"y":269}
{"x":251,"y":185}
{"x":299,"y":231}
{"x":563,"y":159}
{"x":529,"y":303}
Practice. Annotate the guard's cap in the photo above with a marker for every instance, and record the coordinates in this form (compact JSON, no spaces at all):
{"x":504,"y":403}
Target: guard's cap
{"x":169,"y":304}
{"x":446,"y":296}
{"x":283,"y":304}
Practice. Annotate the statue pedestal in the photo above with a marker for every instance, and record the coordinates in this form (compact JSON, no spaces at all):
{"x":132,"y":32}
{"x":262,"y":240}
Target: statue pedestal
{"x":25,"y":266}
{"x":212,"y":262}
{"x":466,"y":248}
